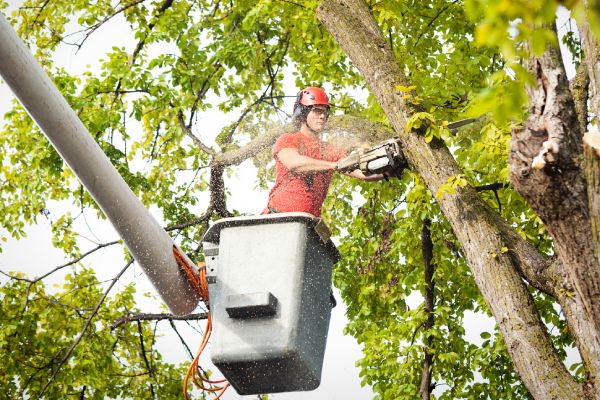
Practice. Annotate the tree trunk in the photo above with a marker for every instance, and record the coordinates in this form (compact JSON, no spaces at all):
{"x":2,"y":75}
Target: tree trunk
{"x":556,"y":188}
{"x":474,"y":223}
{"x":591,"y":50}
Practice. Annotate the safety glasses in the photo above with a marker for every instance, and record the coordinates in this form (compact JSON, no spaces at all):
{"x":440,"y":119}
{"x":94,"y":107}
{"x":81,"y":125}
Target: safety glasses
{"x":321,"y":111}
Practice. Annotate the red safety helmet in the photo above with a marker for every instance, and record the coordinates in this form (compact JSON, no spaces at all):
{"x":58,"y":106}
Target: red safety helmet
{"x":308,"y":97}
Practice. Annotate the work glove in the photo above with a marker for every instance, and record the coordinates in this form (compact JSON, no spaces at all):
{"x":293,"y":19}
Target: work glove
{"x":349,"y":163}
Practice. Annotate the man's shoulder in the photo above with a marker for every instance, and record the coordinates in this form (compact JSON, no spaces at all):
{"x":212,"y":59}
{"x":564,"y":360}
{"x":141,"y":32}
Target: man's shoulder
{"x":286,"y":140}
{"x":288,"y":137}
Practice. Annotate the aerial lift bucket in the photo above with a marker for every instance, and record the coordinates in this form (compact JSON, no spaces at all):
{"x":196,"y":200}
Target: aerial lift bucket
{"x":269,"y":281}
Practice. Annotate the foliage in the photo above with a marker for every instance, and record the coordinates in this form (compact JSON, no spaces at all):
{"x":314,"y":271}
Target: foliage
{"x":38,"y":325}
{"x":186,"y":59}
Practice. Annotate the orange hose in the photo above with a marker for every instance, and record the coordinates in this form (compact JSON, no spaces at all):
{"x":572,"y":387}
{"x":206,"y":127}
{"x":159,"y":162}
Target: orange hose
{"x":198,"y":281}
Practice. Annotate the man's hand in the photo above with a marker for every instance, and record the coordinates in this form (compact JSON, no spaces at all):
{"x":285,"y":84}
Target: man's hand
{"x":386,"y":174}
{"x":348,"y":164}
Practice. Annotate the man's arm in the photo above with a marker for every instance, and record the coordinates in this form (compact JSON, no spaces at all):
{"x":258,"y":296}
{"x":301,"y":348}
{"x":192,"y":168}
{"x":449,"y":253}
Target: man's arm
{"x":296,"y":162}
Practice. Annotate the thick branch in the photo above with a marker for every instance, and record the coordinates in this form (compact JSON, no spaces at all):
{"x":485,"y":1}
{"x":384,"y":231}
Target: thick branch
{"x":256,"y":145}
{"x":545,"y":163}
{"x":346,"y":131}
{"x":218,"y":202}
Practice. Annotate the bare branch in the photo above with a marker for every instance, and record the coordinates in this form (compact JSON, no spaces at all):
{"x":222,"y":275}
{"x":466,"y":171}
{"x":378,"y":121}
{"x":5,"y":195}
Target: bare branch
{"x":83,"y":331}
{"x":352,"y":130}
{"x":187,"y":348}
{"x":157,"y":317}
{"x":196,"y":221}
{"x":143,"y":350}
{"x":91,"y":29}
{"x":100,"y":246}
{"x":76,"y":260}
{"x":429,"y":295}
{"x":191,"y":135}
{"x":16,"y":278}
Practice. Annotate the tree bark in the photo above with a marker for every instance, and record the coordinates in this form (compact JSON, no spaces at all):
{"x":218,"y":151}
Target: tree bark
{"x":556,"y":188}
{"x":591,"y":162}
{"x":580,"y":85}
{"x":558,"y":192}
{"x":474,"y":223}
{"x":591,"y":49}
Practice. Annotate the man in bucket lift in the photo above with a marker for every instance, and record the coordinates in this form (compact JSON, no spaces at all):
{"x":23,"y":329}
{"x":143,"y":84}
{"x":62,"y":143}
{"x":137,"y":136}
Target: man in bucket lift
{"x":304,"y":163}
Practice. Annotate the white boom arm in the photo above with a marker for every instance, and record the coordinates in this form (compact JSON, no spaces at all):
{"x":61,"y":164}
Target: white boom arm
{"x":147,"y":241}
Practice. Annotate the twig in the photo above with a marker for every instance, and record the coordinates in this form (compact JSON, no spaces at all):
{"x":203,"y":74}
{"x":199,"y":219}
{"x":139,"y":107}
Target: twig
{"x":100,"y":246}
{"x":143,"y":348}
{"x":16,"y":278}
{"x":187,"y":224}
{"x":91,"y":29}
{"x":432,"y":21}
{"x":32,"y":281}
{"x":292,"y":3}
{"x":195,"y":138}
{"x":83,"y":331}
{"x":190,"y":354}
{"x":202,"y":92}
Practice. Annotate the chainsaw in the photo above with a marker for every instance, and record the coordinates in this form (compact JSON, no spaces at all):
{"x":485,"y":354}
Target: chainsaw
{"x":385,"y":157}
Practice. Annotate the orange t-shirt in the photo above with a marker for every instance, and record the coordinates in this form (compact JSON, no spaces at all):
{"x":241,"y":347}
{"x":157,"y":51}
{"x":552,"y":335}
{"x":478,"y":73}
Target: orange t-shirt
{"x":295,"y":191}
